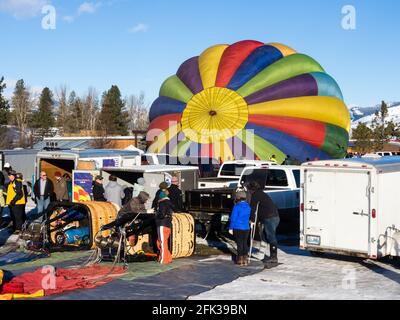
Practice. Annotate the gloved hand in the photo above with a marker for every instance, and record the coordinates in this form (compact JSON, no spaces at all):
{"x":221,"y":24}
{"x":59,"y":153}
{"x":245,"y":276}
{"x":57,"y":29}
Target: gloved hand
{"x":252,"y":224}
{"x":231,"y":231}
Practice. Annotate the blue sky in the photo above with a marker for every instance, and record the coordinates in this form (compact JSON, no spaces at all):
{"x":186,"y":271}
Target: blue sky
{"x":137,"y":44}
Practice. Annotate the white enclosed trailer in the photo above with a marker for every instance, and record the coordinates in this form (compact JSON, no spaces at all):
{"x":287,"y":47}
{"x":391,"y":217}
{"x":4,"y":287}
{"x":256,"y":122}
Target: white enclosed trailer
{"x":351,"y":207}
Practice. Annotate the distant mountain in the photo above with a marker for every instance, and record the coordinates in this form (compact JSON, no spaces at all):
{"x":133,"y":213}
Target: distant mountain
{"x":367,"y":114}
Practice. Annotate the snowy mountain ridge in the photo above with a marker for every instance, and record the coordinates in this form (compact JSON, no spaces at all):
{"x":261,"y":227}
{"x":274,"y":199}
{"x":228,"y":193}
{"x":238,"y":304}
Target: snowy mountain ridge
{"x":357,"y":112}
{"x":367,"y":115}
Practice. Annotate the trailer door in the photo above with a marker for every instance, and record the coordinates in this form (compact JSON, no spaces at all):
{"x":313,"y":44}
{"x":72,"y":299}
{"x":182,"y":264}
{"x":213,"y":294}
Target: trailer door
{"x":337,"y":208}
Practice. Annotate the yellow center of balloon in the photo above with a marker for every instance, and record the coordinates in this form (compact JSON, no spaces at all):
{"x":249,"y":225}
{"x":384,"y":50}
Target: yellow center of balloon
{"x":214,"y":114}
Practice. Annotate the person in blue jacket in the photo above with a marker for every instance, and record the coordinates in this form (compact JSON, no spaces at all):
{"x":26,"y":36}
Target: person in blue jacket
{"x":240,"y":227}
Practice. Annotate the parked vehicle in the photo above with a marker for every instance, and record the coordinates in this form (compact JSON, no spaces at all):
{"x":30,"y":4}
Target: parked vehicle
{"x":22,"y":160}
{"x":212,"y":207}
{"x":229,"y":173}
{"x":351,"y":207}
{"x":65,"y":161}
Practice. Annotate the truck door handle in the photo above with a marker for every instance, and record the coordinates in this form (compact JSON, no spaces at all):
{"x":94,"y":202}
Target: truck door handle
{"x":312,"y":209}
{"x":361,"y":213}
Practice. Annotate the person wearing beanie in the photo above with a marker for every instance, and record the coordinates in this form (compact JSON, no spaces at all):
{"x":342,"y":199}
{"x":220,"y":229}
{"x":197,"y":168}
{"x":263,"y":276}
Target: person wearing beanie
{"x":239,"y":225}
{"x":162,"y":186}
{"x":60,"y":187}
{"x":164,"y":213}
{"x":16,"y":201}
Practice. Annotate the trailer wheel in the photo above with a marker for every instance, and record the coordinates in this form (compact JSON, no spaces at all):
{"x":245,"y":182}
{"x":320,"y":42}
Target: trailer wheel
{"x":317,"y":253}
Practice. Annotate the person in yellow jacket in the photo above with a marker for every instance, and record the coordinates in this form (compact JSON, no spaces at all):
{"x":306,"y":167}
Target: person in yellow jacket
{"x":273,"y":159}
{"x":16,"y":201}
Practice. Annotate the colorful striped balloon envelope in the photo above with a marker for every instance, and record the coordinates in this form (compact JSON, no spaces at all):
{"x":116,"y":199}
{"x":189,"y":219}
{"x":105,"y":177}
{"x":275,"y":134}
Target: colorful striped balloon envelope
{"x":250,"y":100}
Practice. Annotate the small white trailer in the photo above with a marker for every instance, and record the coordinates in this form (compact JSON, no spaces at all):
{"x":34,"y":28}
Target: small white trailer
{"x":351,"y":207}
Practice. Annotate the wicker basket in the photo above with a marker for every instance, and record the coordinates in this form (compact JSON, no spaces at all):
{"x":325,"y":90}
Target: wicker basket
{"x":183,"y":237}
{"x":101,"y":213}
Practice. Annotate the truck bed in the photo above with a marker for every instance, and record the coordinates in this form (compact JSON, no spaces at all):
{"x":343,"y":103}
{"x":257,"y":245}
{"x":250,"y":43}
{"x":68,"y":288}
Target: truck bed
{"x":214,"y":205}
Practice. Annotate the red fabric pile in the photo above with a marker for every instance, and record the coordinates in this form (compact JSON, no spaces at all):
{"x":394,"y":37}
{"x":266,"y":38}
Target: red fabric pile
{"x":54,"y":281}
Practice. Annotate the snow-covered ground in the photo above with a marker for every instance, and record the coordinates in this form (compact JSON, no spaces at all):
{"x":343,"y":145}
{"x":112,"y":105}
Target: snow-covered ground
{"x":302,"y":276}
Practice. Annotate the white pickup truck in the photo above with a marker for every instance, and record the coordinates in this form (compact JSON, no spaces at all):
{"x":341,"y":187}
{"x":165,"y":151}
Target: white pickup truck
{"x":282,"y":183}
{"x":229,"y":174}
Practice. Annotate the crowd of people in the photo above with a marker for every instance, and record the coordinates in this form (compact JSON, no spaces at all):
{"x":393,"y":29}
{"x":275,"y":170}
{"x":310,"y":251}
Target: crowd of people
{"x":167,"y":200}
{"x":252,"y":208}
{"x":14,"y":193}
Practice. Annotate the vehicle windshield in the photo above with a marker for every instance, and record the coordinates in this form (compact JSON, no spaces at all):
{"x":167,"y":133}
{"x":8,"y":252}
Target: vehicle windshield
{"x":233,"y":169}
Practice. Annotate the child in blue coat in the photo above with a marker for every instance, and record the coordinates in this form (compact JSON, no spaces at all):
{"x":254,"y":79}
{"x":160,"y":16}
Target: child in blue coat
{"x":240,"y":225}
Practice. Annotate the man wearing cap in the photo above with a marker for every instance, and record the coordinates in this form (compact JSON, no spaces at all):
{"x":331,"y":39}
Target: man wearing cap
{"x":98,"y":189}
{"x":43,"y":191}
{"x":60,"y":187}
{"x":16,"y":201}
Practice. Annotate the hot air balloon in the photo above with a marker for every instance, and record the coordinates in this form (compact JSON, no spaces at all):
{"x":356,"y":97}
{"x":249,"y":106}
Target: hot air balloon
{"x":250,"y":100}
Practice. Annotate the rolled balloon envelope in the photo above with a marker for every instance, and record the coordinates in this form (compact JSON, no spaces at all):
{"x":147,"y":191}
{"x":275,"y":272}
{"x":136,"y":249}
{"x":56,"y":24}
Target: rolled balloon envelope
{"x":250,"y":100}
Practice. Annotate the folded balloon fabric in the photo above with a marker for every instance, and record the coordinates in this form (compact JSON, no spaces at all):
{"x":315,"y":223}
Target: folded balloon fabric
{"x":48,"y":281}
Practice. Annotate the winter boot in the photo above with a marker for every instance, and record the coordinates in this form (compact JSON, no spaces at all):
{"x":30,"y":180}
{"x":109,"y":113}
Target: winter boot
{"x":238,"y":260}
{"x":272,"y":260}
{"x":273,"y":254}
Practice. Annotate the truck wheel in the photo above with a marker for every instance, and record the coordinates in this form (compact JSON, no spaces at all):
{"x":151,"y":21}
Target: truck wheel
{"x":317,"y":253}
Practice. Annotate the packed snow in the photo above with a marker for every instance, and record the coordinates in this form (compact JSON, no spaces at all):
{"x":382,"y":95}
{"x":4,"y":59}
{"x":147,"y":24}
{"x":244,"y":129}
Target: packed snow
{"x":302,"y":276}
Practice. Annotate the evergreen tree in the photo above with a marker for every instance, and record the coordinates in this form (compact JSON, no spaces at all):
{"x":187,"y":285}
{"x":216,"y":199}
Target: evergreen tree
{"x":113,"y":118}
{"x":392,"y":130}
{"x":363,"y":136}
{"x":43,"y":118}
{"x":379,"y":127}
{"x":4,"y":107}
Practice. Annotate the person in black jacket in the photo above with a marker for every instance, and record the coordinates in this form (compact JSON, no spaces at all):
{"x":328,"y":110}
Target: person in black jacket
{"x":43,"y":191}
{"x":164,"y":213}
{"x":267,"y":214}
{"x":98,"y":189}
{"x":175,"y":194}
